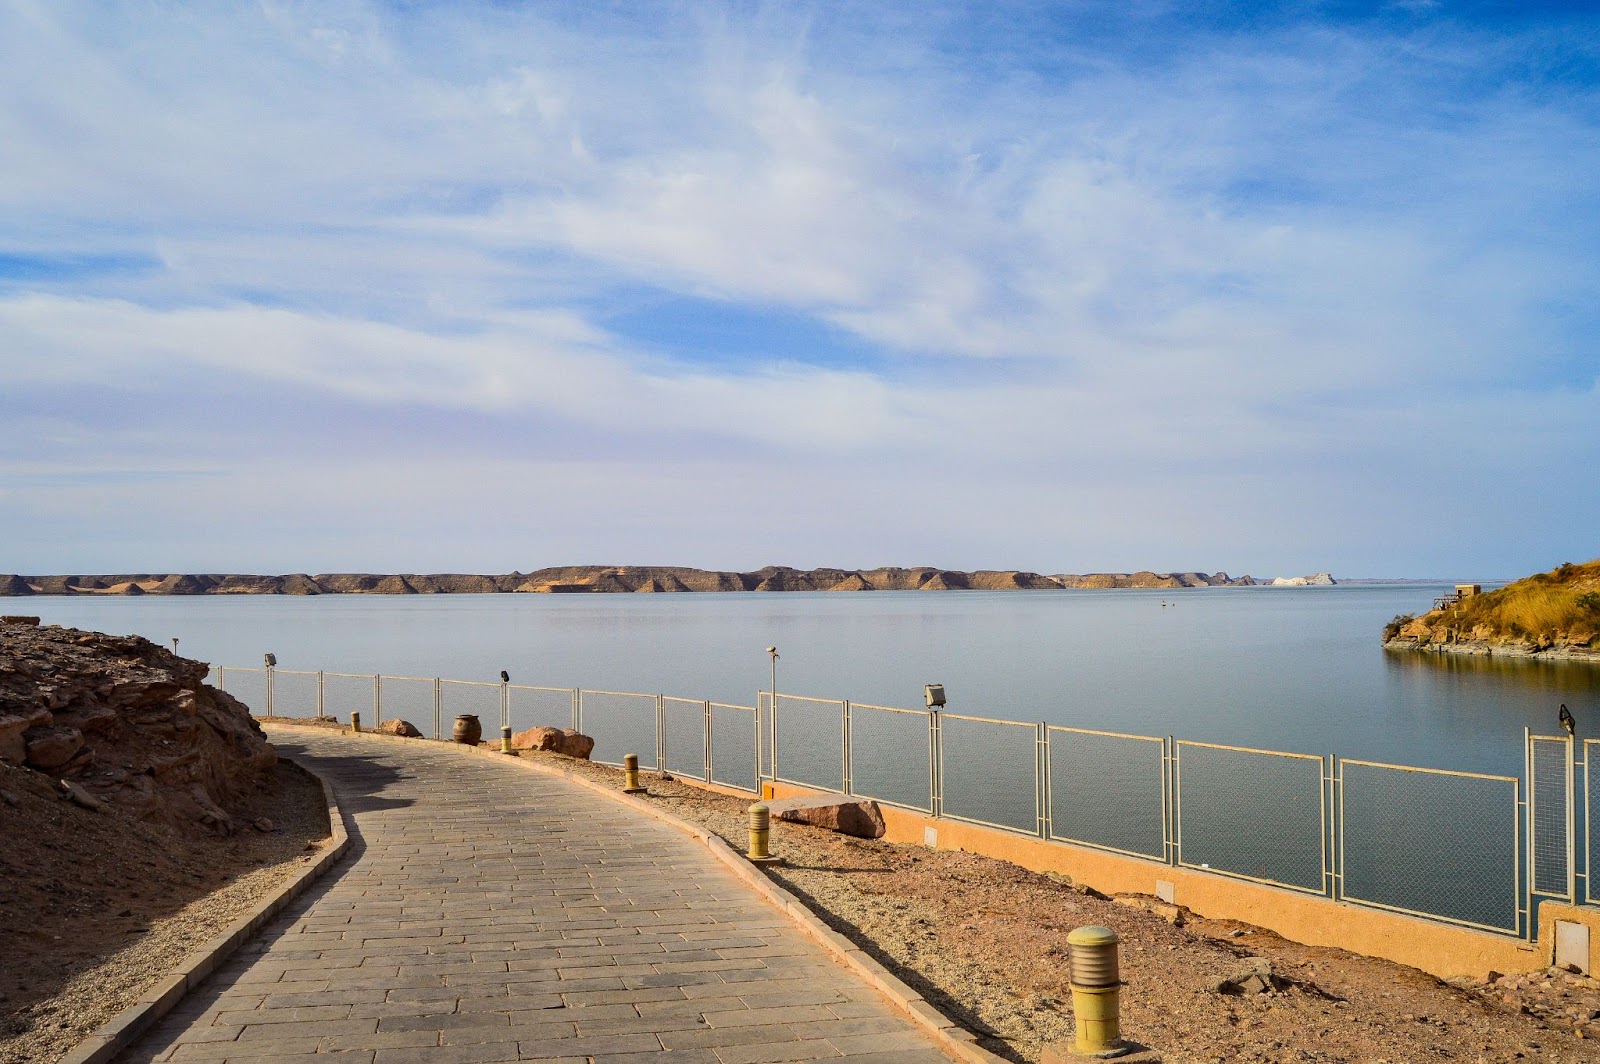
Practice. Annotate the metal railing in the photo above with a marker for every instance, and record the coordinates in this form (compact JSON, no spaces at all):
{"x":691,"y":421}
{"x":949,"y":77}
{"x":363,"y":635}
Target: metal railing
{"x":1475,"y":850}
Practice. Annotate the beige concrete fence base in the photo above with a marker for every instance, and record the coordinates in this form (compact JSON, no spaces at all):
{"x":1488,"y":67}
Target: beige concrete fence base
{"x":119,"y":1032}
{"x":954,"y":1039}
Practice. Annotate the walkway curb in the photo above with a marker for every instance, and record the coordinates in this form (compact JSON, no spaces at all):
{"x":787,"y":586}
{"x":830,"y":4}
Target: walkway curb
{"x":119,"y":1032}
{"x":954,"y":1039}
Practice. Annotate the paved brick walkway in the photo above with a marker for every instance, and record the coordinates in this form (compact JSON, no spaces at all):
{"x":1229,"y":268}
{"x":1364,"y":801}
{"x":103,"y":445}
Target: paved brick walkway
{"x":486,"y":913}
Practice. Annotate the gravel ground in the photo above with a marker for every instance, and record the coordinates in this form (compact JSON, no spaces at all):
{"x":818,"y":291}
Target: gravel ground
{"x":94,"y":907}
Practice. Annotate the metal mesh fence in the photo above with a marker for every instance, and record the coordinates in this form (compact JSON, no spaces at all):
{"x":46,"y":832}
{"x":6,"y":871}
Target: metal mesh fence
{"x":345,"y":693}
{"x":763,"y":726}
{"x":734,"y":761}
{"x":247,"y":685}
{"x":1550,"y":863}
{"x":1252,"y":813}
{"x":891,"y":755}
{"x":1430,"y":842}
{"x":620,"y":723}
{"x":683,"y":734}
{"x":1591,"y":809}
{"x":540,"y":707}
{"x":990,"y":771}
{"x":409,"y":698}
{"x":810,"y":741}
{"x":294,"y":693}
{"x":1108,"y":790}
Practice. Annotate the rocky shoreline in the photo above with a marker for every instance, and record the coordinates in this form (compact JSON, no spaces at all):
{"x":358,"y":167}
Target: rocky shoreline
{"x":591,"y":579}
{"x":1484,"y":648}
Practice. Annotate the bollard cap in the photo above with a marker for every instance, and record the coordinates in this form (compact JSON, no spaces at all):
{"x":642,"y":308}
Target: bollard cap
{"x":1093,"y":935}
{"x":760,"y":807}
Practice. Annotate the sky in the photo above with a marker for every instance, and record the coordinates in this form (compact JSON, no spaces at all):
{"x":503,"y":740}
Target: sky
{"x":1068,"y":287}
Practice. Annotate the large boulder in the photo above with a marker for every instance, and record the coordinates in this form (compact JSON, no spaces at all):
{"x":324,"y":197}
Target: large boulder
{"x":556,"y":740}
{"x":848,"y":816}
{"x":128,"y":722}
{"x":395,"y":726}
{"x":52,"y":745}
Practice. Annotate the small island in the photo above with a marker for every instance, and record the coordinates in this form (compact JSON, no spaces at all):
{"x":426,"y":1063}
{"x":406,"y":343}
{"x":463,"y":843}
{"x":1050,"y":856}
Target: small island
{"x":1546,"y":615}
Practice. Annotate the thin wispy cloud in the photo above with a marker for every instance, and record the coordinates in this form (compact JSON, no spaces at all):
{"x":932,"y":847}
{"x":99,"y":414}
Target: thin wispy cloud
{"x":1119,"y":285}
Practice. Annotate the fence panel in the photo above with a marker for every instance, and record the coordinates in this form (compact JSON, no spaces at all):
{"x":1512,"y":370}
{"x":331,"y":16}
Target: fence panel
{"x":1431,"y":843}
{"x":1256,"y":814}
{"x":294,"y":693}
{"x":247,"y":685}
{"x":539,"y":707}
{"x":734,"y":757}
{"x":470,"y":697}
{"x":1108,"y":790}
{"x":891,"y":756}
{"x":409,"y":698}
{"x":1591,"y":808}
{"x":810,"y":741}
{"x":621,"y":723}
{"x":990,"y":771}
{"x":684,"y":737}
{"x":1550,"y":816}
{"x":344,"y":693}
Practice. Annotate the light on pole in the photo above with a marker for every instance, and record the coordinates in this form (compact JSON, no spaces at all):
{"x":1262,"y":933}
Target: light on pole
{"x":174,"y":646}
{"x":772,"y":717}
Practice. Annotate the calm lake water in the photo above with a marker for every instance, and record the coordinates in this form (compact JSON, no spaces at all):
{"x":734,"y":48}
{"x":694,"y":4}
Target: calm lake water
{"x":1294,"y":669}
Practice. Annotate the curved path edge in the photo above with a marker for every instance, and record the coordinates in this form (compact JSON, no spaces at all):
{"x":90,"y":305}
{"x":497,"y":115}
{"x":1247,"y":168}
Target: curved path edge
{"x":954,"y":1039}
{"x":119,"y":1032}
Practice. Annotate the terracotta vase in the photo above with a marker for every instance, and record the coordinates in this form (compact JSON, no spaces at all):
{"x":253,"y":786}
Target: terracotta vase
{"x":467,"y":730}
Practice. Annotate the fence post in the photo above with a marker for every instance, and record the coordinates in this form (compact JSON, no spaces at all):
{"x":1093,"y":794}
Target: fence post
{"x":935,"y":763}
{"x":705,"y":733}
{"x":438,"y":705}
{"x":269,"y":690}
{"x":577,"y":709}
{"x":1042,"y":787}
{"x":1176,"y":842}
{"x":846,"y":754}
{"x":1332,"y":867}
{"x":661,"y":734}
{"x":222,"y":678}
{"x":377,"y":699}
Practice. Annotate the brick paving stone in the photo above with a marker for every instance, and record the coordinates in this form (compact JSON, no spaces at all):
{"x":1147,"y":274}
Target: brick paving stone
{"x":488,"y":914}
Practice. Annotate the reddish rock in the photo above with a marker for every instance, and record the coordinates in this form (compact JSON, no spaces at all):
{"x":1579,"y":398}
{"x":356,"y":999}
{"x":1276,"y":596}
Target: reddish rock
{"x":848,"y":816}
{"x":558,"y":740}
{"x":52,"y":745}
{"x":14,"y":721}
{"x":395,"y":726}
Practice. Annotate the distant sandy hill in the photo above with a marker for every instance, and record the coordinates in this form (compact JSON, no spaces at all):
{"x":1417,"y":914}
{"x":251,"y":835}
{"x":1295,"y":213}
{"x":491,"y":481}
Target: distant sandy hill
{"x":602,"y":579}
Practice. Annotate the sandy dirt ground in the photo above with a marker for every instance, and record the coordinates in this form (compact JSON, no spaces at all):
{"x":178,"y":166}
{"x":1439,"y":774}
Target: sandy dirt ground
{"x":95,"y":907}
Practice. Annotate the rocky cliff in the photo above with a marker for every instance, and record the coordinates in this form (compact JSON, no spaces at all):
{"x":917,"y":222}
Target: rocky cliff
{"x":121,"y":725}
{"x":589,"y":579}
{"x":1552,"y":615}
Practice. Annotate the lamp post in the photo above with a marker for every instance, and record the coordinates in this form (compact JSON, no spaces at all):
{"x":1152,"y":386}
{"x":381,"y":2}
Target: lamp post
{"x":174,"y":646}
{"x":772,"y":717}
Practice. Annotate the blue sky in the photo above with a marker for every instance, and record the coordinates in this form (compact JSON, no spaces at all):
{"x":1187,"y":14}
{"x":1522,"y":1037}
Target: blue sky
{"x":1070,"y":287}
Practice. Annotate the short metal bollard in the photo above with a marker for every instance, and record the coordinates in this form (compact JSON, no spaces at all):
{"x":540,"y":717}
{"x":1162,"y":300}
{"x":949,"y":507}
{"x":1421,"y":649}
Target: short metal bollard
{"x":355,"y":722}
{"x":630,"y":768}
{"x":760,"y":834}
{"x":505,"y":739}
{"x":1096,"y":992}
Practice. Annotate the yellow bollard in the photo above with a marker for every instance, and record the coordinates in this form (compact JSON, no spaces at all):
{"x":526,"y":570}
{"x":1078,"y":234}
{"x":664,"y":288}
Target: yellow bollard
{"x":630,"y":768}
{"x":505,"y":739}
{"x":760,"y":833}
{"x":1096,"y":992}
{"x":355,"y":722}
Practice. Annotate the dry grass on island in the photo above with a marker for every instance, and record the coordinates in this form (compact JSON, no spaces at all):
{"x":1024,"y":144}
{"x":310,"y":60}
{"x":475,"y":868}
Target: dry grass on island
{"x":1553,"y":615}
